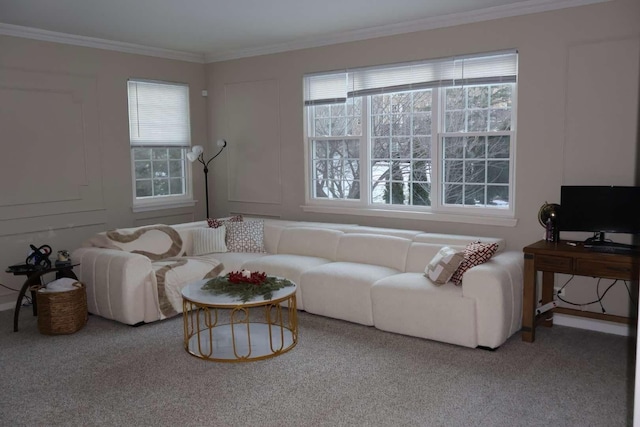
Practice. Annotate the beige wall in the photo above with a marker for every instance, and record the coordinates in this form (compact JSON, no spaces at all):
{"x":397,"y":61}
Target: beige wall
{"x":65,"y":163}
{"x":567,"y":117}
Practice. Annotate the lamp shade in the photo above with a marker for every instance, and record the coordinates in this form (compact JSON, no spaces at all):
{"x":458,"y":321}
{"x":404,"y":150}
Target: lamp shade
{"x":192,"y":155}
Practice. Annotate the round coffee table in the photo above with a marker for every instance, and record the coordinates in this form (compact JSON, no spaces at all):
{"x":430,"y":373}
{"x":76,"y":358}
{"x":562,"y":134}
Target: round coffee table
{"x":222,"y":328}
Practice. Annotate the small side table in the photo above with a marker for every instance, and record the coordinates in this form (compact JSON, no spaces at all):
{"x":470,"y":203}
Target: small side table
{"x":33,"y":278}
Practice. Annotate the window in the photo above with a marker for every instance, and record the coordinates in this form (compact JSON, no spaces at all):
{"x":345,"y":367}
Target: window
{"x":159,"y":131}
{"x":430,"y":136}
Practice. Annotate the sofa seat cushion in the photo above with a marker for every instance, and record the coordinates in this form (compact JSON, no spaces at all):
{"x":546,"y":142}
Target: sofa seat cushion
{"x":342,"y":290}
{"x":410,"y":304}
{"x":233,"y":261}
{"x":287,"y":266}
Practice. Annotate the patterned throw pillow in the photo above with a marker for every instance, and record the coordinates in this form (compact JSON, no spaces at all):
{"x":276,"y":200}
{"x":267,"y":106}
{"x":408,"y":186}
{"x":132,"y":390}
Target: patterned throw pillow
{"x":209,"y":240}
{"x":246,"y":236}
{"x":443,"y":265}
{"x":474,"y":254}
{"x":218,"y":222}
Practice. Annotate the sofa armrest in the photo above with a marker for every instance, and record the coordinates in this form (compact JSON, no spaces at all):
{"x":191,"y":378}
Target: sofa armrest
{"x":497,"y":287}
{"x":120,"y":285}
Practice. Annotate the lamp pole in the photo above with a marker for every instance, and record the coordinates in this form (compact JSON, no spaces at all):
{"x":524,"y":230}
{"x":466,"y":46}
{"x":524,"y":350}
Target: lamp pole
{"x":206,"y":187}
{"x":221,"y":145}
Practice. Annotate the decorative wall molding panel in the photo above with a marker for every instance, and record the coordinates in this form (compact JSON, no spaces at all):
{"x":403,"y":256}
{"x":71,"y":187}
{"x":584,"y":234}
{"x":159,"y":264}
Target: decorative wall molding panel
{"x":51,"y":159}
{"x":64,"y":221}
{"x":252,"y":129}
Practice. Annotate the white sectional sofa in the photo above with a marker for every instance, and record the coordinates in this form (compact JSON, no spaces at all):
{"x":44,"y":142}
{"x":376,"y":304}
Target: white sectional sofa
{"x":367,"y":275}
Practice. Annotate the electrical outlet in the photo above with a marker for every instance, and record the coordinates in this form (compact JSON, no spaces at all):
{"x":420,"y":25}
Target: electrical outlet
{"x":558,"y":291}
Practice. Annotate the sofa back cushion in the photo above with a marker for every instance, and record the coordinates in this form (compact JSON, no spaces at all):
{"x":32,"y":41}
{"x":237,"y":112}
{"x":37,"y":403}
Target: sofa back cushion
{"x":457,"y":240}
{"x":309,"y":241}
{"x":397,"y":232}
{"x":186,"y":233}
{"x":272,"y":232}
{"x":420,"y":254}
{"x":386,"y":251}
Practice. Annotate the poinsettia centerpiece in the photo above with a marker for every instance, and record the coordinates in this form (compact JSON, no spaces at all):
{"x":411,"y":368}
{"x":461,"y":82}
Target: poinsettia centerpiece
{"x":246,"y":285}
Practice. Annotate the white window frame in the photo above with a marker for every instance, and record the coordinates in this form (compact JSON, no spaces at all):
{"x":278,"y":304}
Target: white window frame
{"x":148,"y":203}
{"x":438,"y":211}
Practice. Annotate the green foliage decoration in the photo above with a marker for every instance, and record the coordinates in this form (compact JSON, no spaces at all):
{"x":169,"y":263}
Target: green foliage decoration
{"x":236,"y":285}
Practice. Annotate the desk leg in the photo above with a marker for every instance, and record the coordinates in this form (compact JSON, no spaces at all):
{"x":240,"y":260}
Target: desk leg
{"x":548,"y":279}
{"x":529,"y":300}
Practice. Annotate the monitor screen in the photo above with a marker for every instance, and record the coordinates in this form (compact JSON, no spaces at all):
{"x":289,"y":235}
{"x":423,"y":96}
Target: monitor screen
{"x":607,"y":209}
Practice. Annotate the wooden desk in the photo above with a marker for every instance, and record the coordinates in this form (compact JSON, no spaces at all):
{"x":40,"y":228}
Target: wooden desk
{"x":559,"y":257}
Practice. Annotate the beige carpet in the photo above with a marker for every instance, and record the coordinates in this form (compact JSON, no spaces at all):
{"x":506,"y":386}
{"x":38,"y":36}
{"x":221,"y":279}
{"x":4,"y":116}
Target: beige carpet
{"x":340,"y":374}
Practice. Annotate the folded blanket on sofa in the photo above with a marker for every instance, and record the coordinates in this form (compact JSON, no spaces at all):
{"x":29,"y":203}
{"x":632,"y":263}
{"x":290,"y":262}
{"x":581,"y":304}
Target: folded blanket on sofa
{"x":155,"y":241}
{"x":173,"y":274}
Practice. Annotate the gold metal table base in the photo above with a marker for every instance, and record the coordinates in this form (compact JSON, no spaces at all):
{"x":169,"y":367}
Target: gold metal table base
{"x":246,"y":332}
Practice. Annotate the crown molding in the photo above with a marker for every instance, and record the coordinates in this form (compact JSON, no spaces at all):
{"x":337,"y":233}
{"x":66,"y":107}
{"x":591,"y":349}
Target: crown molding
{"x":487,"y":14}
{"x":496,"y":12}
{"x":96,"y":43}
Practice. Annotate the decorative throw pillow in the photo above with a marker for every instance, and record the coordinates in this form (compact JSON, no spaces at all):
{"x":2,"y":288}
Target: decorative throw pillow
{"x":209,"y":240}
{"x":246,"y":236}
{"x":218,"y":222}
{"x":474,"y":254}
{"x":443,"y":265}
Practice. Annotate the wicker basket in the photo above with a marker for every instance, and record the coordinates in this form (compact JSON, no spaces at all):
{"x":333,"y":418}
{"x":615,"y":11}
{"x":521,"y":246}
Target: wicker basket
{"x":62,"y":312}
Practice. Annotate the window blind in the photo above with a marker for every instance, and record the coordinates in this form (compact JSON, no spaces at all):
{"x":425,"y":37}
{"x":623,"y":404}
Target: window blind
{"x":496,"y":67}
{"x":158,"y":114}
{"x":325,"y":88}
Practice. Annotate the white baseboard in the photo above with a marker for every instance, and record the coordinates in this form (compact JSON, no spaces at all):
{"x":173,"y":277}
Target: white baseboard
{"x":592,"y":324}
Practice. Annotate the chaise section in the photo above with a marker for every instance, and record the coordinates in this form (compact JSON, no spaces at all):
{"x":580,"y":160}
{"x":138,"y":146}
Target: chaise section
{"x":484,"y":311}
{"x":411,"y":304}
{"x":497,"y":288}
{"x":121,"y":284}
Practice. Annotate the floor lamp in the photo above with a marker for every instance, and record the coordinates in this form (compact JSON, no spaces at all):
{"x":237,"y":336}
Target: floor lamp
{"x":197,"y":153}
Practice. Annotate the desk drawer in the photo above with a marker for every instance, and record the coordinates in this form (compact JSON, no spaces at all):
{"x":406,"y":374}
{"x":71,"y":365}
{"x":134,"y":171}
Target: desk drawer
{"x":613,"y":270}
{"x":558,"y":264}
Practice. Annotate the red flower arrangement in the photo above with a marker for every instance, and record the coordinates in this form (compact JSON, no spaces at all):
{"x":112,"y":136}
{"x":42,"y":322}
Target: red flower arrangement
{"x":254,"y":277}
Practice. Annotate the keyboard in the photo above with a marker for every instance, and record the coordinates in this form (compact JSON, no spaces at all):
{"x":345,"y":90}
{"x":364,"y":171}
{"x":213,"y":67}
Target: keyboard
{"x":613,"y":249}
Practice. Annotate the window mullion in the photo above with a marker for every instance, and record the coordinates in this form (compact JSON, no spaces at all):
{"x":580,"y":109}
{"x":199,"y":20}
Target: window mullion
{"x":365,"y":153}
{"x":437,"y":123}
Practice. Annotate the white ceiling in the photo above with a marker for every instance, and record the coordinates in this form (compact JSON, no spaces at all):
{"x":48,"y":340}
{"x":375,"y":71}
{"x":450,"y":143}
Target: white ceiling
{"x":212,"y":30}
